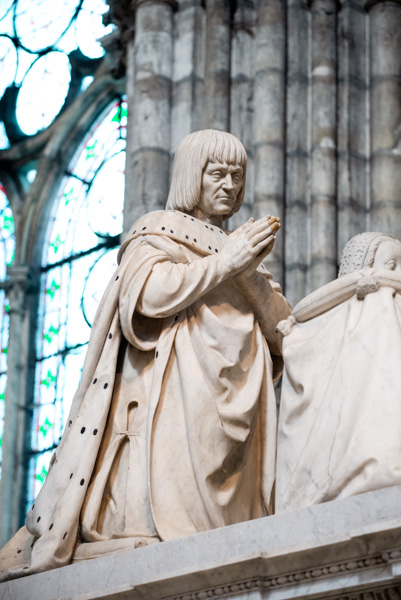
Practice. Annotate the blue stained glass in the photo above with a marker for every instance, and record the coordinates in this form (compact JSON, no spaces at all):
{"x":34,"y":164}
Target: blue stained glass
{"x":79,"y":257}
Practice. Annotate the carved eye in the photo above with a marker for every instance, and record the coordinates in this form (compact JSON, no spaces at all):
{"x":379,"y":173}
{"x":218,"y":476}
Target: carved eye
{"x":391,"y":265}
{"x":236,"y":177}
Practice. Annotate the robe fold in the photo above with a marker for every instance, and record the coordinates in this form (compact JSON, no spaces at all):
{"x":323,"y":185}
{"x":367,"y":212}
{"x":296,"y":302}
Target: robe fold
{"x":339,"y":428}
{"x":173,"y":428}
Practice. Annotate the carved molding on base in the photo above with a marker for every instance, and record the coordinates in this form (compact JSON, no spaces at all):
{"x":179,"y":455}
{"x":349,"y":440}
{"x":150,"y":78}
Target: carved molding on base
{"x":319,"y":572}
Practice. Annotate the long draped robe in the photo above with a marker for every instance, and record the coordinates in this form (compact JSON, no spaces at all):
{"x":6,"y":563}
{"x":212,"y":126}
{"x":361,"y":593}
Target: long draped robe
{"x":339,"y":428}
{"x":173,"y":428}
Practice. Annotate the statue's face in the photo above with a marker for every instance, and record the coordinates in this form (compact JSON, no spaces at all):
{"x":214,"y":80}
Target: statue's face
{"x":221,"y":184}
{"x":388,"y":255}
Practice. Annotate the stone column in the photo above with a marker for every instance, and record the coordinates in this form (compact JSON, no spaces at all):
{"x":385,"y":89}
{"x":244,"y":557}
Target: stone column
{"x":149,"y":82}
{"x":241,"y":94}
{"x":189,"y":70}
{"x":323,"y":229}
{"x":297,"y":142}
{"x":16,"y":422}
{"x":385,"y":115}
{"x":269,"y":119}
{"x":353,"y":187}
{"x":217,"y":64}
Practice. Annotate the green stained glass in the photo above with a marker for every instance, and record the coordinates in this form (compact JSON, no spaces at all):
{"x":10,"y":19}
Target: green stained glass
{"x":7,"y":246}
{"x":52,"y":289}
{"x":49,"y":379}
{"x":7,"y":223}
{"x":11,"y":259}
{"x":45,"y":427}
{"x":51,"y":332}
{"x":41,"y":476}
{"x":90,"y":150}
{"x":78,"y":259}
{"x":121,"y":113}
{"x":57,"y":243}
{"x":68,"y":196}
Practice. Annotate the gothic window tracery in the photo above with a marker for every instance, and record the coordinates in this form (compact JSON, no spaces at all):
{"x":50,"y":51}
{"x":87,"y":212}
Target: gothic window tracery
{"x":79,"y":257}
{"x":49,"y":51}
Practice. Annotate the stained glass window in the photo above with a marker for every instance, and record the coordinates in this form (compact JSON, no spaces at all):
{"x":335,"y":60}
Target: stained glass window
{"x":7,"y":245}
{"x":80,"y":253}
{"x":45,"y":45}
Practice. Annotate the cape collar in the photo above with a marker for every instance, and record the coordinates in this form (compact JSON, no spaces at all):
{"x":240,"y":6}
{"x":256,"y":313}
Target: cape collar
{"x":182,"y":228}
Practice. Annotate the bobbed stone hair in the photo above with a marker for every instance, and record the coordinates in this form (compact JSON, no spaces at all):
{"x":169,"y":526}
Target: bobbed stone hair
{"x":194,"y":152}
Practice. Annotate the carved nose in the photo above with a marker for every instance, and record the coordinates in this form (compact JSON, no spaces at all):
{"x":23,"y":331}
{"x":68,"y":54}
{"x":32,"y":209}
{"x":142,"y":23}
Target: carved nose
{"x":228,"y":182}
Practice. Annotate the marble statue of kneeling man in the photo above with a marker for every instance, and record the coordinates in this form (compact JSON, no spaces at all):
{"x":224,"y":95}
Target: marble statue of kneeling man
{"x":340,"y":415}
{"x":172,"y":430}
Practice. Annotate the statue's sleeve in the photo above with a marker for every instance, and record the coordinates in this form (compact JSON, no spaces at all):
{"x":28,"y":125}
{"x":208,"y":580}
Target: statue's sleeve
{"x":171,"y":287}
{"x":269,"y":306}
{"x":158,"y":282}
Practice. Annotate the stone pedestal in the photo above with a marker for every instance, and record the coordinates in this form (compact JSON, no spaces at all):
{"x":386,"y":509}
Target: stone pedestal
{"x":348,"y":549}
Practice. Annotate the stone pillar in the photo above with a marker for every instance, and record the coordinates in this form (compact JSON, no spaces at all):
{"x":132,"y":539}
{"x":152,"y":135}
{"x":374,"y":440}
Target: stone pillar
{"x":188,"y":74}
{"x":269,"y":119}
{"x":149,"y":82}
{"x":297,"y":148}
{"x":217,"y":64}
{"x":241,"y":94}
{"x":353,"y":185}
{"x":323,"y":229}
{"x":385,"y":115}
{"x":16,"y":425}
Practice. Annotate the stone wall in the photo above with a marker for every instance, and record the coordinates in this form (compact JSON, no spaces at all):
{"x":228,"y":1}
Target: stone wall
{"x":313,"y":90}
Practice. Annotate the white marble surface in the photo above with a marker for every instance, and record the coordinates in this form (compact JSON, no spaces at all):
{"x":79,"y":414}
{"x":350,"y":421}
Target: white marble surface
{"x":328,"y":550}
{"x":339,"y":428}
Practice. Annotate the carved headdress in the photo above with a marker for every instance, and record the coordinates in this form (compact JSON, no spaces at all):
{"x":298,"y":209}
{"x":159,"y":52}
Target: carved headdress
{"x":360,"y":251}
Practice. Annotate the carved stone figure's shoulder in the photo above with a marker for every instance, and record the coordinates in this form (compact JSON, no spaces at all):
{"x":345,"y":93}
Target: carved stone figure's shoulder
{"x":148,"y":221}
{"x":360,"y":283}
{"x":180,"y":227}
